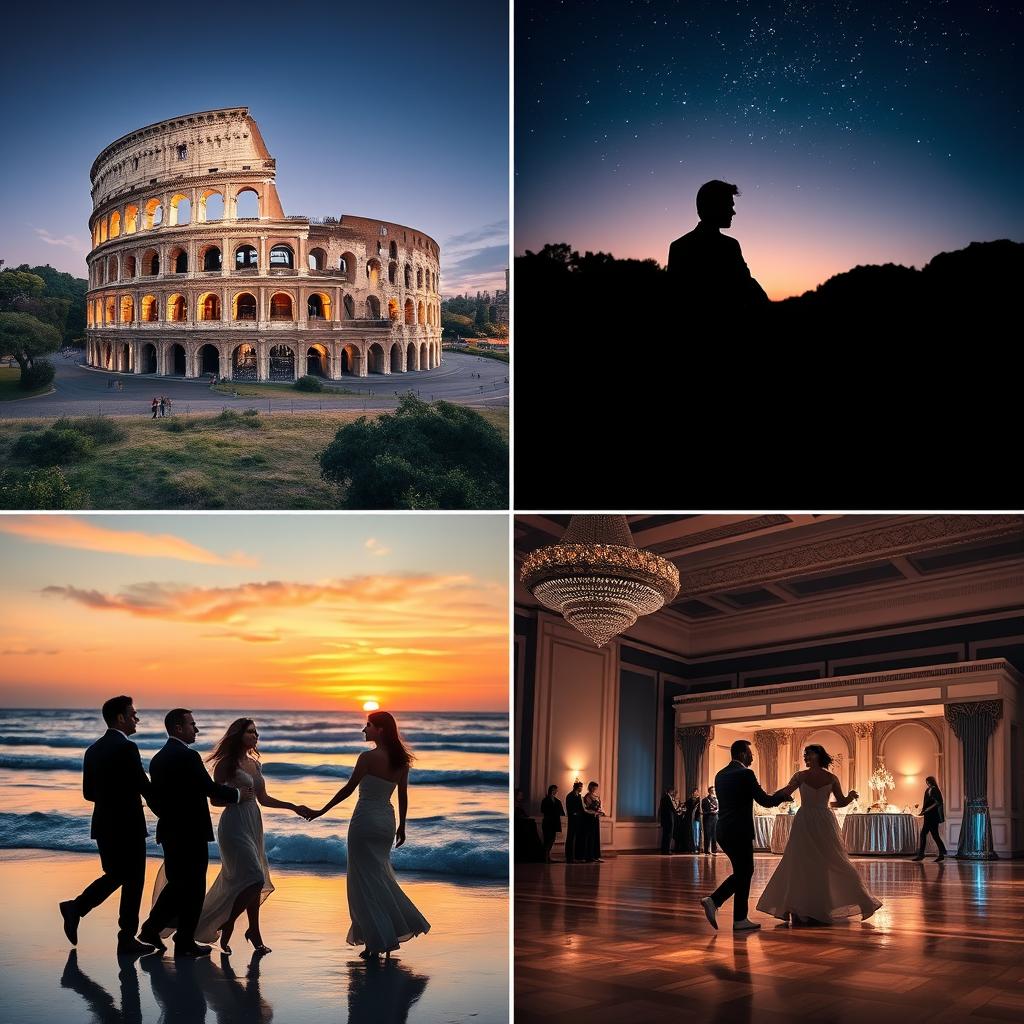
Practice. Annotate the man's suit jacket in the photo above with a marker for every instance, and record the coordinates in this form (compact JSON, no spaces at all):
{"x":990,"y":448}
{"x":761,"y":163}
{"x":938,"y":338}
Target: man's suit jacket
{"x":737,"y":788}
{"x":113,"y":779}
{"x":551,"y":809}
{"x":709,"y":277}
{"x":182,"y":786}
{"x":666,"y":810}
{"x":932,"y":795}
{"x":574,"y":804}
{"x":709,"y":805}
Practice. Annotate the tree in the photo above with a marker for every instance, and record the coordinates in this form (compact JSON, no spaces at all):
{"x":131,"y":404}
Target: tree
{"x":26,"y":338}
{"x":425,"y":455}
{"x":19,"y":284}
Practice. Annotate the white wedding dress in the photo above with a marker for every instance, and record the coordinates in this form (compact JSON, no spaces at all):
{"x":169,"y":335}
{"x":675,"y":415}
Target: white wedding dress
{"x":243,"y":862}
{"x":815,"y":877}
{"x":382,"y":915}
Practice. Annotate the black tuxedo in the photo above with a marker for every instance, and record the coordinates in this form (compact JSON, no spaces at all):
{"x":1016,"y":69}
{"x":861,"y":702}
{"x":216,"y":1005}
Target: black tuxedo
{"x":709,"y":823}
{"x":551,"y":809}
{"x":737,"y":788}
{"x":932,"y":819}
{"x":114,"y":781}
{"x":575,"y":832}
{"x":182,"y":786}
{"x":667,"y":819}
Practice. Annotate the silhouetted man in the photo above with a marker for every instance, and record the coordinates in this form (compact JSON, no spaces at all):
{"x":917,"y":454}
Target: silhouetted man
{"x":706,"y":271}
{"x":114,"y":781}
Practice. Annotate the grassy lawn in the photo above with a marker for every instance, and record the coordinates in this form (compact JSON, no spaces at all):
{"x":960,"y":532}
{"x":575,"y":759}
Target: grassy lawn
{"x":488,"y":353}
{"x":244,"y":390}
{"x":208,"y":462}
{"x":9,"y":390}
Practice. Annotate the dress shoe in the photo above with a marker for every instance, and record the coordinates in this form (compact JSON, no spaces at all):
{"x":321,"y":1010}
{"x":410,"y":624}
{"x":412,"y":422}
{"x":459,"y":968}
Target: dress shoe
{"x":151,"y":937}
{"x":134,"y":946}
{"x":710,"y":911}
{"x":941,"y":857}
{"x":745,"y":926}
{"x":920,"y":856}
{"x":194,"y":950}
{"x":71,"y":918}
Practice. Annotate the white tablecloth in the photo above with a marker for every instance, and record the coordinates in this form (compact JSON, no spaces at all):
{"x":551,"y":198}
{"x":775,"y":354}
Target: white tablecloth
{"x":880,"y":833}
{"x":763,"y":831}
{"x":780,"y":831}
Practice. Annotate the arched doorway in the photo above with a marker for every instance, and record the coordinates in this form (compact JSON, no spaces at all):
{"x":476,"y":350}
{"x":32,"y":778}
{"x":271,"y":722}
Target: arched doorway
{"x":396,"y":358}
{"x":375,"y":358}
{"x":411,"y":362}
{"x":209,"y":360}
{"x":424,"y":358}
{"x":148,"y":358}
{"x":176,"y":364}
{"x":318,"y":362}
{"x":244,"y":363}
{"x":282,"y":363}
{"x":349,"y":361}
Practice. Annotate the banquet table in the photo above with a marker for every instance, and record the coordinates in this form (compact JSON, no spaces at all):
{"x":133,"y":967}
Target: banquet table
{"x":780,"y":832}
{"x":763,"y":831}
{"x":880,"y":833}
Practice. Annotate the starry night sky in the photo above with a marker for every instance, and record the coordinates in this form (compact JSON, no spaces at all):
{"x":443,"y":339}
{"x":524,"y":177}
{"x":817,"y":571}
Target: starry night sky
{"x":857,"y":133}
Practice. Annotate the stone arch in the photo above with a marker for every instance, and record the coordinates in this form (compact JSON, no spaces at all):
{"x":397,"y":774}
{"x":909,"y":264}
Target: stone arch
{"x":246,"y":256}
{"x":372,"y":307}
{"x":177,"y":261}
{"x":410,"y":316}
{"x":396,"y":357}
{"x":97,"y":315}
{"x":282,"y":257}
{"x":317,"y":259}
{"x":412,"y":357}
{"x":393,"y":309}
{"x":421,"y":317}
{"x":115,"y":224}
{"x":282,"y":363}
{"x":131,"y":219}
{"x":177,"y":308}
{"x":318,"y":361}
{"x":424,"y":357}
{"x":245,"y":364}
{"x":208,"y":307}
{"x":150,"y":311}
{"x":244,"y":306}
{"x":147,"y":362}
{"x":207,"y":212}
{"x":176,"y":364}
{"x":408,"y":276}
{"x":124,"y":358}
{"x":318,"y":306}
{"x":347,"y":265}
{"x":153,"y":217}
{"x":150,"y":263}
{"x":127,"y":309}
{"x":181,"y":210}
{"x":375,"y":359}
{"x":350,"y":361}
{"x":210,"y":258}
{"x":393,"y":250}
{"x":419,"y":277}
{"x":103,"y":230}
{"x":350,"y":307}
{"x":392,"y":271}
{"x":113,"y":268}
{"x":128,"y":266}
{"x":248,"y":208}
{"x":111,"y":311}
{"x":208,"y":360}
{"x":281,"y":306}
{"x":373,"y":272}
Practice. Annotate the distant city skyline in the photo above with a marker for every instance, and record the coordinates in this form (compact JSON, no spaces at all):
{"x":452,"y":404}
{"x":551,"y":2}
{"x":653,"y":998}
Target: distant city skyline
{"x":367,"y":112}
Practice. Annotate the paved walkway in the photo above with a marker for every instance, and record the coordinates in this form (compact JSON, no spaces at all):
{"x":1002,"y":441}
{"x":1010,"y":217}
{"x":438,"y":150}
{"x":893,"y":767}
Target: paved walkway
{"x":83,"y":391}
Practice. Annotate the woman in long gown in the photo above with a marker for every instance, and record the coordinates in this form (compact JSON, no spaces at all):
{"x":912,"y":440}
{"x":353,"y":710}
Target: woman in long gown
{"x":382,"y":915}
{"x":816,"y":880}
{"x":244,"y":879}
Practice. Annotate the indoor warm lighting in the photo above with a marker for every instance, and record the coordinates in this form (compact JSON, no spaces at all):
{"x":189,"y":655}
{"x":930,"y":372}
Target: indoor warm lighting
{"x":882,"y":780}
{"x":371,"y":705}
{"x":597,"y":578}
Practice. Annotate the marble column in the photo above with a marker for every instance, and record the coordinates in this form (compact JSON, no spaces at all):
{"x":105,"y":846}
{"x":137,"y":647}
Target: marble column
{"x":862,"y":761}
{"x":973,"y":724}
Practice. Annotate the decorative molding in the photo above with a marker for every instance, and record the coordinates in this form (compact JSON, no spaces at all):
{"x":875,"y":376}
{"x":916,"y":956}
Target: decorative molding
{"x":726,"y":531}
{"x":863,"y":729}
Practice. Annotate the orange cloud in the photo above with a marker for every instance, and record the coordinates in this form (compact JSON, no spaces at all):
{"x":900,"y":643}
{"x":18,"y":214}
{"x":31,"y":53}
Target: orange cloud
{"x":70,"y":532}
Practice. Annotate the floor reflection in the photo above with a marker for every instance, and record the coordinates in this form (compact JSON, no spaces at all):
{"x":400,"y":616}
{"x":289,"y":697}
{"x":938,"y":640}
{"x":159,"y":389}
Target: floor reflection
{"x":382,"y":992}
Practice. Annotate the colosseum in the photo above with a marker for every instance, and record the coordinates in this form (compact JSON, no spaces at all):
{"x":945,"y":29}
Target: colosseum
{"x":195,"y":269}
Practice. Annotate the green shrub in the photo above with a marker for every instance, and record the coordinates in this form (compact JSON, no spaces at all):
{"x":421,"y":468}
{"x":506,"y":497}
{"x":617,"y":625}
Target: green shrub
{"x":178,"y":425}
{"x":38,"y":375}
{"x":425,"y":455}
{"x":230,"y":418}
{"x":35,"y":488}
{"x":309,"y":383}
{"x":52,"y":447}
{"x":102,"y":429}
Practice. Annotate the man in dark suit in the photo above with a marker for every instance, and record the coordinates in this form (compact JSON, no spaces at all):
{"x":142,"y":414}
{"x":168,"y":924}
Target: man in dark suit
{"x":182,"y":786}
{"x":114,"y":781}
{"x":667,"y":817}
{"x":575,"y":823}
{"x":709,"y":280}
{"x":709,"y":820}
{"x":934,"y":815}
{"x":551,"y":809}
{"x":737,"y":789}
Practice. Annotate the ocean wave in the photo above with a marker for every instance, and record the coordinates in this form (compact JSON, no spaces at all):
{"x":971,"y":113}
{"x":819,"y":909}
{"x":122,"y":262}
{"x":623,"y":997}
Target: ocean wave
{"x":461,"y":777}
{"x":468,"y":857}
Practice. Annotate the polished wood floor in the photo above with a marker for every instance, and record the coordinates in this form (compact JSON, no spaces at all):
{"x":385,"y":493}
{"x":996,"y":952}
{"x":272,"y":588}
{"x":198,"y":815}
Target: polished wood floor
{"x":625,"y":942}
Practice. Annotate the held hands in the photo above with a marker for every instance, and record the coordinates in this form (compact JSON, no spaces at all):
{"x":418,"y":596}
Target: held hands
{"x":302,"y":811}
{"x":399,"y":836}
{"x":310,"y":815}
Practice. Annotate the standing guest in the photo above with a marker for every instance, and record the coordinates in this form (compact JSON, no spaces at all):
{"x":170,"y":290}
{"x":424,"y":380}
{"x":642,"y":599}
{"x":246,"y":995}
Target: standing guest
{"x":551,"y":825}
{"x":594,"y":814}
{"x":574,"y":824}
{"x":527,"y":847}
{"x":163,"y":406}
{"x":156,"y":406}
{"x":709,"y":821}
{"x":667,"y":817}
{"x":689,"y":831}
{"x":934,"y":814}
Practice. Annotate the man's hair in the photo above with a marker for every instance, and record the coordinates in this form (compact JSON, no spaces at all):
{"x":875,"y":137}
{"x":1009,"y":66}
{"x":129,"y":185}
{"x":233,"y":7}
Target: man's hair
{"x":712,"y":194}
{"x":711,"y":789}
{"x":175,"y":718}
{"x":577,"y":785}
{"x":114,"y":707}
{"x":592,"y":785}
{"x":739,"y":747}
{"x":551,"y":789}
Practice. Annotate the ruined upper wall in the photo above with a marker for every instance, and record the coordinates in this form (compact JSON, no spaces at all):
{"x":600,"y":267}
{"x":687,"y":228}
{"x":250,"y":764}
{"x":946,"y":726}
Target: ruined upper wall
{"x":227,"y":140}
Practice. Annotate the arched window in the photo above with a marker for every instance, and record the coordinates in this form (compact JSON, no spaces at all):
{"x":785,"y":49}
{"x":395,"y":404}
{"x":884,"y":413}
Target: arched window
{"x":247,"y":204}
{"x":211,"y":206}
{"x":347,"y":265}
{"x":318,"y":306}
{"x":128,"y":267}
{"x":131,"y":219}
{"x":408,"y":276}
{"x":394,"y":250}
{"x":176,"y":308}
{"x":154,"y":215}
{"x":419,"y":277}
{"x":179,"y":261}
{"x":372,"y":307}
{"x":392,"y":273}
{"x":209,"y":307}
{"x":211,"y":259}
{"x":112,"y":273}
{"x":282,"y":257}
{"x":111,"y":310}
{"x":115,"y":224}
{"x":350,"y":308}
{"x":317,"y":259}
{"x":181,"y":210}
{"x":421,"y":318}
{"x":373,"y":272}
{"x":410,"y":316}
{"x":246,"y":257}
{"x":127,"y":309}
{"x":393,"y":309}
{"x":245,"y":306}
{"x":150,"y":263}
{"x":281,"y":307}
{"x":150,"y":309}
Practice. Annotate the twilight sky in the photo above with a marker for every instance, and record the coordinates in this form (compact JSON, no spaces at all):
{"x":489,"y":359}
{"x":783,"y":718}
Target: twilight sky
{"x":397,"y":111}
{"x":255,"y":611}
{"x":857,"y":132}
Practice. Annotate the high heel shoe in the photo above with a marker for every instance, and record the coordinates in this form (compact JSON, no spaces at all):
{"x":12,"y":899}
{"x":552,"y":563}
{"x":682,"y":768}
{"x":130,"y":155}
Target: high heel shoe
{"x":261,"y":948}
{"x":224,"y":947}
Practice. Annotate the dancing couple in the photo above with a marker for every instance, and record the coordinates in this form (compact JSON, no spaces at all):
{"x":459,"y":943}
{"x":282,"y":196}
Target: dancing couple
{"x":815,"y":882}
{"x":180,"y":792}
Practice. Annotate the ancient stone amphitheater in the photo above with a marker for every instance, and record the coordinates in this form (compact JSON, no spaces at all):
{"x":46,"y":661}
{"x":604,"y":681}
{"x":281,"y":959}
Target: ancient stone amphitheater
{"x":195,"y":269}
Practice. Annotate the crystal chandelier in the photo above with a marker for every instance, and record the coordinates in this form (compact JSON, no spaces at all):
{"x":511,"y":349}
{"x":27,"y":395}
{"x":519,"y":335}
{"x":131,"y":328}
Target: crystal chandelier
{"x":881,"y":780}
{"x":598,"y":579}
